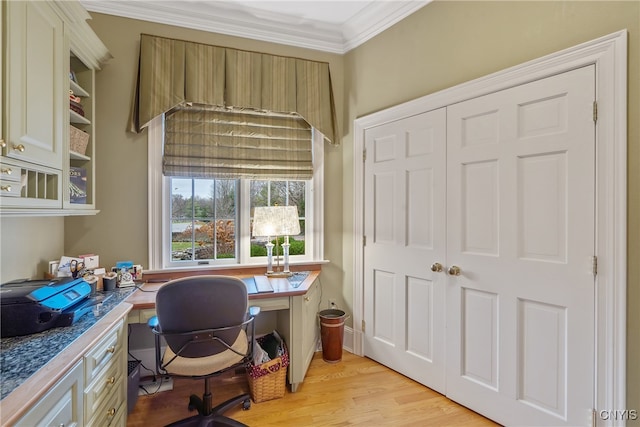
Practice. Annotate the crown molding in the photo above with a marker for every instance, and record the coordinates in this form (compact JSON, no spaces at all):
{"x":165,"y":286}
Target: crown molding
{"x":235,"y":19}
{"x":376,"y":18}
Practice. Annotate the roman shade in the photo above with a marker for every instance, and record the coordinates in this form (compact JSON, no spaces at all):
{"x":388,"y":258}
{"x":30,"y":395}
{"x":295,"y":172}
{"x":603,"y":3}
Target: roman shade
{"x":202,"y":142}
{"x":173,"y":74}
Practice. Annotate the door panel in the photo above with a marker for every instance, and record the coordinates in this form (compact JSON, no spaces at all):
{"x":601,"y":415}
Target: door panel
{"x":521,"y":227}
{"x":405,"y":232}
{"x":479,"y":336}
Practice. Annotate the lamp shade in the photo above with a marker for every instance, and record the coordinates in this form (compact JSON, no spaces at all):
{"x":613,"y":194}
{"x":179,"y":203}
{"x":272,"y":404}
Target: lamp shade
{"x":276,"y":221}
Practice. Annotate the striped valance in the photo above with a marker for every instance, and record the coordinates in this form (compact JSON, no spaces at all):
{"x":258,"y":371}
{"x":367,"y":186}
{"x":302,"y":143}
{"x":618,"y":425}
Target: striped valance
{"x":201,"y":142}
{"x":173,"y":73}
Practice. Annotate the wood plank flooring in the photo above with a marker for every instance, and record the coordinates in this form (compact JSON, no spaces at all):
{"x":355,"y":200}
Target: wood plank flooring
{"x":354,"y":392}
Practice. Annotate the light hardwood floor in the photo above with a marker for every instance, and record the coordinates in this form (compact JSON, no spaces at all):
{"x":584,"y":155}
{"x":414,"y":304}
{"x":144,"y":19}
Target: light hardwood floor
{"x":354,"y":392}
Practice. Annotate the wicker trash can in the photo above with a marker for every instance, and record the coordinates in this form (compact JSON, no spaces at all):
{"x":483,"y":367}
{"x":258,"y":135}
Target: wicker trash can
{"x":268,"y":380}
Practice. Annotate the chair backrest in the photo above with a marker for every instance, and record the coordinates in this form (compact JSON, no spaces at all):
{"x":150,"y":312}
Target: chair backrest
{"x":198,"y":303}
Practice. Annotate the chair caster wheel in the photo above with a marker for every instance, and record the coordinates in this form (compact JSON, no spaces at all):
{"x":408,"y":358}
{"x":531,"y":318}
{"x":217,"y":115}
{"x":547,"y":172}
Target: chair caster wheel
{"x":246,"y":404}
{"x":195,"y":404}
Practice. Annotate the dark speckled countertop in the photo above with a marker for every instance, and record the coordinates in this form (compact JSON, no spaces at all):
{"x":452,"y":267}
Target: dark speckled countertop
{"x":21,"y":357}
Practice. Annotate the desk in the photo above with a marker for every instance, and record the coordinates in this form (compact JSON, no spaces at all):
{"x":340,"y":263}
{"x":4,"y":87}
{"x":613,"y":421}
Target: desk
{"x":295,"y":311}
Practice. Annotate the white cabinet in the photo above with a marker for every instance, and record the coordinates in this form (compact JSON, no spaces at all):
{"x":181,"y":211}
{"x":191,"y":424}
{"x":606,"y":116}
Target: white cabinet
{"x":34,"y":83}
{"x":299,"y":326}
{"x":62,"y":405}
{"x":44,"y":42}
{"x":92,"y":393}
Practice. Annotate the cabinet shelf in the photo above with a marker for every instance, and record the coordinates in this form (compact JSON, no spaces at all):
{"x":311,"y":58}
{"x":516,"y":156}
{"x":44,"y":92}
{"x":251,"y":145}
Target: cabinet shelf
{"x":77,"y":156}
{"x":78,"y":119}
{"x":78,"y":90}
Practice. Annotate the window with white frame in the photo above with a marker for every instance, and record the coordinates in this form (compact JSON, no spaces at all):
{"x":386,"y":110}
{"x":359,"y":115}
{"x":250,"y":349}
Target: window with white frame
{"x":198,"y":222}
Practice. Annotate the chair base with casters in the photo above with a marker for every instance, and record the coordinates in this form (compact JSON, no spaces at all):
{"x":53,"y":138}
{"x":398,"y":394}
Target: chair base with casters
{"x":208,"y":331}
{"x":213,"y":417}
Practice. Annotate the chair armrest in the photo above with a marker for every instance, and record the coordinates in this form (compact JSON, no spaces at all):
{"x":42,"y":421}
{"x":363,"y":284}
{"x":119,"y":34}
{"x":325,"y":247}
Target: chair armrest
{"x":254,"y":311}
{"x":153,"y":322}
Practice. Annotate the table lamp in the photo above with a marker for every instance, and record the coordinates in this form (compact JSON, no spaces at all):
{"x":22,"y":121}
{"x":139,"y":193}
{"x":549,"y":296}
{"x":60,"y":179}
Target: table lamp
{"x":276,"y":221}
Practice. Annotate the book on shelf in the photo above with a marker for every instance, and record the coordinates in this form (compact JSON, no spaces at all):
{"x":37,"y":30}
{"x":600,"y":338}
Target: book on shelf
{"x":77,"y":185}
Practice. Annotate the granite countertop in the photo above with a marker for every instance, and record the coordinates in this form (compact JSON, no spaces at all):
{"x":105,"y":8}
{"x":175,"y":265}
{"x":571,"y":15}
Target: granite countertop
{"x":21,"y":357}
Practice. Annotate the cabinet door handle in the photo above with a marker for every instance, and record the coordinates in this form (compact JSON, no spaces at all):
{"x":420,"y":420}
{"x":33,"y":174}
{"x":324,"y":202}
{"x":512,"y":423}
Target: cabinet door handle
{"x":2,"y":143}
{"x":19,"y":147}
{"x":6,"y":171}
{"x":6,"y":188}
{"x":111,"y":412}
{"x":111,"y":380}
{"x":111,"y":349}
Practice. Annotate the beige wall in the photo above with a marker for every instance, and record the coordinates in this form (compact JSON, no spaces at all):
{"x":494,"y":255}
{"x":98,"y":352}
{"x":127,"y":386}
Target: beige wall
{"x":27,"y":246}
{"x":450,"y":42}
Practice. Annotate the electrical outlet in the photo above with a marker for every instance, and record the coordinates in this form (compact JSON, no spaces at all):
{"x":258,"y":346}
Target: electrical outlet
{"x":332,"y":304}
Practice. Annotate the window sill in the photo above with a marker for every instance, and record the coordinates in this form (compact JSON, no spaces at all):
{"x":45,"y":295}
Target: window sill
{"x":174,"y":273}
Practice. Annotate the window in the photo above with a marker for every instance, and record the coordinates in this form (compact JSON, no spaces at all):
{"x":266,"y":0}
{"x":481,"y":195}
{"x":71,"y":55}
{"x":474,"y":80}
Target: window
{"x":195,"y":222}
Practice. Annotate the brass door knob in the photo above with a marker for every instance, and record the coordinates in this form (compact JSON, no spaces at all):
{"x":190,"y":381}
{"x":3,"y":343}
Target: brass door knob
{"x":2,"y":143}
{"x":454,"y":270}
{"x":436,"y":267}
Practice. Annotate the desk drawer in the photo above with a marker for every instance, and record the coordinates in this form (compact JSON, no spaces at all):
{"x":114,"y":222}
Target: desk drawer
{"x":105,"y":384}
{"x":103,"y":352}
{"x":270,"y":304}
{"x":109,"y":413}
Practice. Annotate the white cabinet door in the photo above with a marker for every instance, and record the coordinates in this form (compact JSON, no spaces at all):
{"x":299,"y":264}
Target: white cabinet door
{"x":61,"y":406}
{"x":404,"y":300}
{"x":35,"y":83}
{"x":521,"y":228}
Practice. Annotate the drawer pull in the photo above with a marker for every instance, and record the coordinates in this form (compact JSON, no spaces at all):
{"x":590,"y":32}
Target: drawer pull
{"x":19,"y":147}
{"x":111,"y":349}
{"x":2,"y":143}
{"x":111,"y":380}
{"x":5,"y":188}
{"x":307,"y":299}
{"x":6,"y":171}
{"x":111,"y":412}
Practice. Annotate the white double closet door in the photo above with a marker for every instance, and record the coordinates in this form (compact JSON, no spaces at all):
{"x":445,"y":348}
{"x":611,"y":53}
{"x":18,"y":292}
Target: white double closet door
{"x":500,"y":192}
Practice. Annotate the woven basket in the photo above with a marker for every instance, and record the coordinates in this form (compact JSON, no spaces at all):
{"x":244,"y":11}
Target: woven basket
{"x":268,"y":381}
{"x":78,"y":140}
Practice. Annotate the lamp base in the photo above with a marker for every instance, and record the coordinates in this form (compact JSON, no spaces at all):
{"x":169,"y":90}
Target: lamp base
{"x":276,"y":274}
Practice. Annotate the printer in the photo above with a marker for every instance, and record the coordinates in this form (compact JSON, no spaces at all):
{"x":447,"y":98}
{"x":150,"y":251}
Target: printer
{"x":30,"y":306}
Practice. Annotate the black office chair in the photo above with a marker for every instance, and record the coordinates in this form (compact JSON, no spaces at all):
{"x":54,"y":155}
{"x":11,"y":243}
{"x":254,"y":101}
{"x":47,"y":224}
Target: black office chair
{"x":208,"y":331}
